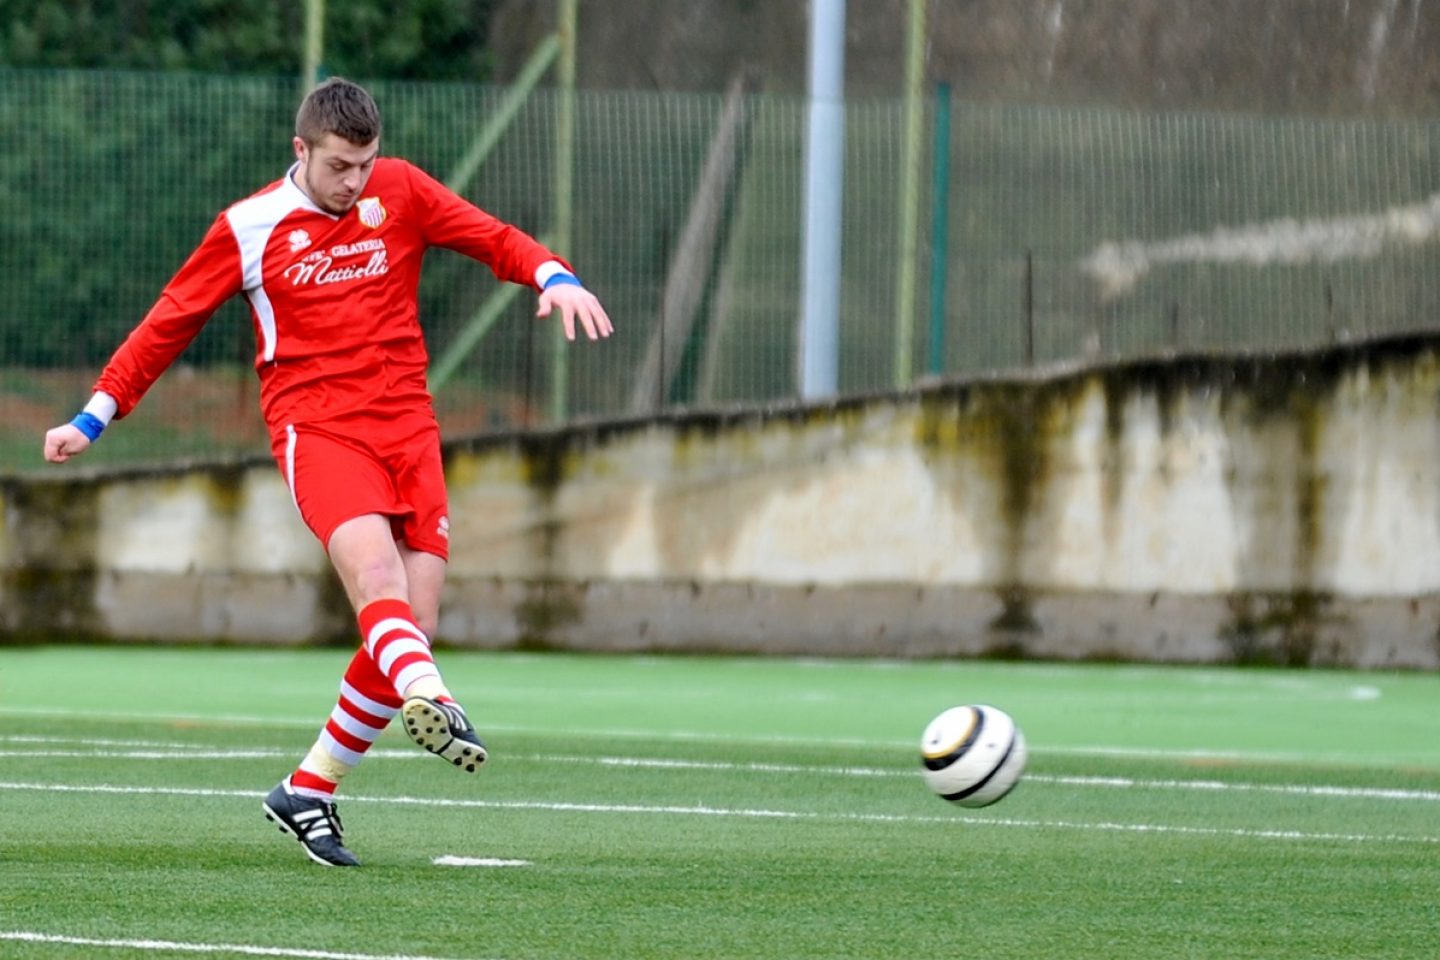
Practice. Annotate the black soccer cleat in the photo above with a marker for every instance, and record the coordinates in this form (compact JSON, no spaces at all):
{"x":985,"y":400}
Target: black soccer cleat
{"x":312,"y":821}
{"x":444,"y":730}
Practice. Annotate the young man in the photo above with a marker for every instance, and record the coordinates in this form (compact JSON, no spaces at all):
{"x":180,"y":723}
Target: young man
{"x":329,"y":259}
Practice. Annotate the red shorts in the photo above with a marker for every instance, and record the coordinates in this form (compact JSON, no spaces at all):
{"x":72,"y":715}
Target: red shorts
{"x":391,"y":467}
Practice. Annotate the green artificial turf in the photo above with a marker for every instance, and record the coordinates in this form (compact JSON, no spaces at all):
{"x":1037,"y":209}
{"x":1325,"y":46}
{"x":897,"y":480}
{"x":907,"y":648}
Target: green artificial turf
{"x":714,"y":807}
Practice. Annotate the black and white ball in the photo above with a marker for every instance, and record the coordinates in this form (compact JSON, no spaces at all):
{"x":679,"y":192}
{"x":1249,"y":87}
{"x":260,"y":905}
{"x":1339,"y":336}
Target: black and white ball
{"x":972,"y":755}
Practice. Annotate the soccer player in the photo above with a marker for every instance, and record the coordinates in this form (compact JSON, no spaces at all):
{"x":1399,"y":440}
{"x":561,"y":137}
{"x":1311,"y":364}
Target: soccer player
{"x":328,"y":257}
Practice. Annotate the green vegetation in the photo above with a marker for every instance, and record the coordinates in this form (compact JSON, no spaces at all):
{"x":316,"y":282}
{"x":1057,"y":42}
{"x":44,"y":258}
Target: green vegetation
{"x":418,"y":40}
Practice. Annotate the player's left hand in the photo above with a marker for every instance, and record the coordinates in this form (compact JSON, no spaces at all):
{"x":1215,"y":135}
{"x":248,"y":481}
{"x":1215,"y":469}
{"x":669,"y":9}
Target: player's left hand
{"x":576,"y":305}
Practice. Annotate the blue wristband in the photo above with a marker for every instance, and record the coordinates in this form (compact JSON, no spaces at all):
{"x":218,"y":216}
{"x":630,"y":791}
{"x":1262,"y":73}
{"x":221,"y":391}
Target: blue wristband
{"x":558,"y":278}
{"x":88,"y":424}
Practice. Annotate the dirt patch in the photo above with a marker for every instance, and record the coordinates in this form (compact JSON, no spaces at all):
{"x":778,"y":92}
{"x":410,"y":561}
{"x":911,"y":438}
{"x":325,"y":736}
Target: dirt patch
{"x":190,"y":412}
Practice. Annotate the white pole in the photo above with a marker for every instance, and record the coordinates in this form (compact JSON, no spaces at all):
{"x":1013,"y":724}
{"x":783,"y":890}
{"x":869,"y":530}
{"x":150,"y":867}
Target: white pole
{"x":819,"y":346}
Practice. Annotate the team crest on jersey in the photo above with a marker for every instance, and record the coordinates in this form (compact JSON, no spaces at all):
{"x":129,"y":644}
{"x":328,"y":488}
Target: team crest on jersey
{"x":372,"y":213}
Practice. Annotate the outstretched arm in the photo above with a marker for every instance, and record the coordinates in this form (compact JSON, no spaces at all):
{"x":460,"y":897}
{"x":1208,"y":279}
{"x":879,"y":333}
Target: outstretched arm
{"x":453,"y":222}
{"x":207,"y":279}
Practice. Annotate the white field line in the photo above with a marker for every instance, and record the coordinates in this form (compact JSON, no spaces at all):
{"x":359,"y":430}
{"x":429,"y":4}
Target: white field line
{"x":704,"y":810}
{"x":96,"y":742}
{"x":194,"y":754}
{"x":191,"y":753}
{"x":180,"y":752}
{"x":687,"y":736}
{"x":109,"y":749}
{"x":1122,"y":783}
{"x":172,"y":946}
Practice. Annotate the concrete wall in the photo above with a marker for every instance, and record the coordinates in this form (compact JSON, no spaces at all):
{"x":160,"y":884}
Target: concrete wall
{"x":1255,"y":510}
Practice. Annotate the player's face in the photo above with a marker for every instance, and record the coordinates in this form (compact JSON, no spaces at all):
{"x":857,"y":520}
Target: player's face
{"x":334,"y":171}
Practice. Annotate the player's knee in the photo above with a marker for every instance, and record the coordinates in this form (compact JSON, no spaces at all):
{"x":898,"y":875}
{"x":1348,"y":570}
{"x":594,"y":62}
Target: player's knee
{"x":376,"y":580}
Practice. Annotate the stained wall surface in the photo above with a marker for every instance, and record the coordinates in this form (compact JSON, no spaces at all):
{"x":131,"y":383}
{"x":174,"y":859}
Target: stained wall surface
{"x":1196,"y":509}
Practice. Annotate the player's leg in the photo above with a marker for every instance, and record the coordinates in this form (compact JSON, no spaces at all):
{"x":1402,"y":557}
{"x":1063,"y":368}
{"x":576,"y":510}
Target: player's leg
{"x":425,"y":577}
{"x":366,"y":705}
{"x":331,"y":480}
{"x":392,"y":668}
{"x":303,"y":804}
{"x":438,"y":724}
{"x":369,"y":563}
{"x":435,"y":722}
{"x":346,"y":496}
{"x":380,"y":576}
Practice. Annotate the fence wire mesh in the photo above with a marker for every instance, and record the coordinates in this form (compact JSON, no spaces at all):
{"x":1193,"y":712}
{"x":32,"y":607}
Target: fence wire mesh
{"x":1067,"y":234}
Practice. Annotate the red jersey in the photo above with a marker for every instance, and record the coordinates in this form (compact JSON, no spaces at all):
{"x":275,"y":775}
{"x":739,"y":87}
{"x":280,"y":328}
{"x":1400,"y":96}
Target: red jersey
{"x":333,"y":298}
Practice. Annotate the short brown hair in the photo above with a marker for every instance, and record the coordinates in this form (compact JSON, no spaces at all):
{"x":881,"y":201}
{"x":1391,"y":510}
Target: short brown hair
{"x":340,"y":107}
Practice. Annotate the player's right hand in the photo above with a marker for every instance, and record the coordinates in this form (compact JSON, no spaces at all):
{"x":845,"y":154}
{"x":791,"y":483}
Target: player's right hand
{"x":64,"y":442}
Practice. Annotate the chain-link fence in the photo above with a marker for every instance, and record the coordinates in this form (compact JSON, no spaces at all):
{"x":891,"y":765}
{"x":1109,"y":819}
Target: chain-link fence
{"x":1065,"y":234}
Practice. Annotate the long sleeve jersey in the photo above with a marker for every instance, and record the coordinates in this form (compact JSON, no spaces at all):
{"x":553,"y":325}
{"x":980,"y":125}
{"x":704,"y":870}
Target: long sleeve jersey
{"x":333,"y":298}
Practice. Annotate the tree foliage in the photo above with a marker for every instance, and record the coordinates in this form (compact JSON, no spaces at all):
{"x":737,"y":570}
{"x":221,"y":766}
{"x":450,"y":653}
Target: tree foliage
{"x":417,"y":40}
{"x":202,"y":90}
{"x":110,"y":178}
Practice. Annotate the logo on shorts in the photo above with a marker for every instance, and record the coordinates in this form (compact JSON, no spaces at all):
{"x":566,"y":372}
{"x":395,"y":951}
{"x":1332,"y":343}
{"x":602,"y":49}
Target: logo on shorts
{"x":443,"y":528}
{"x":372,"y":213}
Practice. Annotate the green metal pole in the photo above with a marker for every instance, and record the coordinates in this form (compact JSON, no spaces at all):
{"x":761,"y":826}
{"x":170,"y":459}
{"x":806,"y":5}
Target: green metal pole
{"x":939,"y":229}
{"x":564,"y":192}
{"x":474,"y":331}
{"x":479,"y":325}
{"x":909,"y":198}
{"x":471,"y":334}
{"x":314,"y":45}
{"x":490,"y":134}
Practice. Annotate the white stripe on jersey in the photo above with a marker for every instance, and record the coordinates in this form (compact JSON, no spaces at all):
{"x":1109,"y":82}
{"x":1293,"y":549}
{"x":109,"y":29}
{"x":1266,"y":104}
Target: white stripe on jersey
{"x":260,"y":302}
{"x":291,"y":437}
{"x":252,"y":221}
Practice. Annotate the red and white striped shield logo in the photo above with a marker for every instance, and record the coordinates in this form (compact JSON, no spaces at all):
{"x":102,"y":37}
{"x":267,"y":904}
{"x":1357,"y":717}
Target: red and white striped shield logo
{"x":372,"y":213}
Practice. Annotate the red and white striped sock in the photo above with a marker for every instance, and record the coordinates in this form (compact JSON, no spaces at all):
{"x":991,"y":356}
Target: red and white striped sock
{"x":367,"y":704}
{"x":401,"y":650}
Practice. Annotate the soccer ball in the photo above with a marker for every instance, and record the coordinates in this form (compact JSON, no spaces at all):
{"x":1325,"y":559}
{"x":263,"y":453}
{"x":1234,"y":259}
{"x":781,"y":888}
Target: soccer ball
{"x":972,"y":755}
